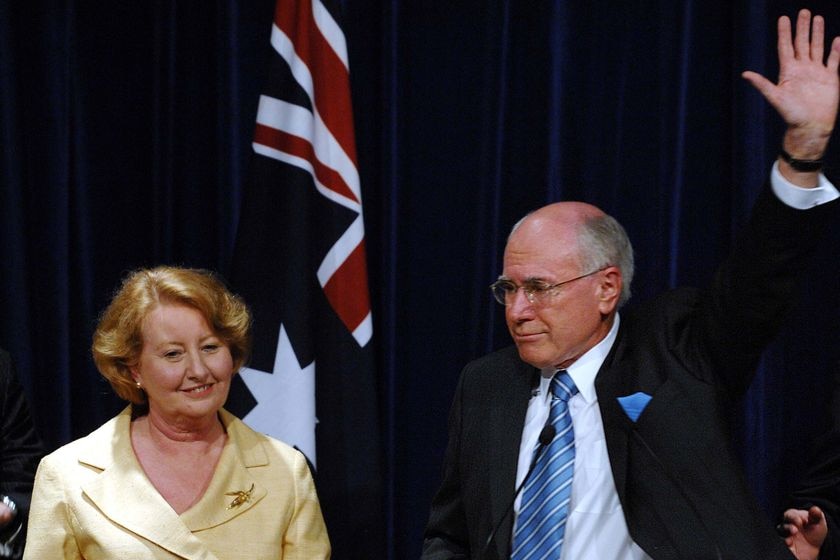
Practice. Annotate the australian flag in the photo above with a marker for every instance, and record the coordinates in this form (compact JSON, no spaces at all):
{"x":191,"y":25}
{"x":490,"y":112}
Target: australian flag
{"x":300,"y":264}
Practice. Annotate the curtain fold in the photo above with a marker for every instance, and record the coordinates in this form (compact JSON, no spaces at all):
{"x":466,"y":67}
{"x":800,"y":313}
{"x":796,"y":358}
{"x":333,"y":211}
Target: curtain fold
{"x":126,"y":133}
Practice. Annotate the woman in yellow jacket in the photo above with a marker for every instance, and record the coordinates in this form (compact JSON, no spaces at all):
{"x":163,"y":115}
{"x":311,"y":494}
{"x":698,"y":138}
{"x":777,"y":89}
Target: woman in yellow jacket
{"x":174,"y":475}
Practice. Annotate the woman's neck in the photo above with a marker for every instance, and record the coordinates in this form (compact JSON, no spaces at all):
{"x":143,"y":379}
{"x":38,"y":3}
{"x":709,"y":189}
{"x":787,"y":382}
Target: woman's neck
{"x":163,"y":431}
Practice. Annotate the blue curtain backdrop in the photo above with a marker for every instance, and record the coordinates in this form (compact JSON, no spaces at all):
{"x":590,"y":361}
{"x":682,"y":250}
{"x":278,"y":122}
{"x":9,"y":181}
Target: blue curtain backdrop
{"x":125,"y":132}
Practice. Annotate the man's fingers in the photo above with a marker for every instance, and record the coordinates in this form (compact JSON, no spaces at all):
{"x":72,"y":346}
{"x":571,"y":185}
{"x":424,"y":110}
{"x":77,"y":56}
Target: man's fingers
{"x":762,"y":84}
{"x":814,"y":515}
{"x":801,"y":44}
{"x":834,"y":55}
{"x":783,"y":40}
{"x":817,"y":39}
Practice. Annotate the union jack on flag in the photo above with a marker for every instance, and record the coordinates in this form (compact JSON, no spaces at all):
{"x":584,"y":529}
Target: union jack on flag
{"x":318,"y":138}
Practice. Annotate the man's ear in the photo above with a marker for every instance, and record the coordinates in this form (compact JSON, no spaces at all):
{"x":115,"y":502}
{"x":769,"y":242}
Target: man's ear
{"x":609,"y":289}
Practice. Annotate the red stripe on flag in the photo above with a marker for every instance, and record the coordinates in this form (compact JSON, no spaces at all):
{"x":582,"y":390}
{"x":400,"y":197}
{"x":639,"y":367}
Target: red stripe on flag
{"x":331,"y":80}
{"x":347,"y":289}
{"x":300,"y":147}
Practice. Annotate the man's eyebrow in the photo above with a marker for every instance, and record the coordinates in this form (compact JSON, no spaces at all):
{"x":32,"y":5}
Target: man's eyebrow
{"x":529,"y":280}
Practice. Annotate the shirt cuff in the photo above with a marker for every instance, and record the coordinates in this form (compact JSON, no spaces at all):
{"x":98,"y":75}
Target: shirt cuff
{"x":798,"y":197}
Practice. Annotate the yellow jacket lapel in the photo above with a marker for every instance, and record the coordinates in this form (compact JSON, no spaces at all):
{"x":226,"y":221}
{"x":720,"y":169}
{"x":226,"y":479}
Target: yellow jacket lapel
{"x":232,"y":490}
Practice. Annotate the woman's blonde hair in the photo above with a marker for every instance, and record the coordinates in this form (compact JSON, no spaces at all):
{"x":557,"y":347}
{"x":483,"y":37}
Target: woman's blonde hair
{"x":118,"y":339}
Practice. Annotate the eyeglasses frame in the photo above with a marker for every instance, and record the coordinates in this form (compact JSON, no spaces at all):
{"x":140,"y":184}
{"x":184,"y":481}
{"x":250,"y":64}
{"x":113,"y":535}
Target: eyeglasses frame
{"x":531,"y":295}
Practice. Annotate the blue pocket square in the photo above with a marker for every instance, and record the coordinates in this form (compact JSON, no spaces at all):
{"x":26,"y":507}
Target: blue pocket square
{"x":634,"y":404}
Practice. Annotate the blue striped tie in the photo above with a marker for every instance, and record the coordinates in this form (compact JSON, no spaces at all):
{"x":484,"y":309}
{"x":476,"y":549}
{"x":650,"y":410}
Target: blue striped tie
{"x":541,"y":524}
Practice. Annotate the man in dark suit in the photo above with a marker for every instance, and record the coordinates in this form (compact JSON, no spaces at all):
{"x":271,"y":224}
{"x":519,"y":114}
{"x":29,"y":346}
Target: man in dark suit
{"x":20,"y":451}
{"x":812,"y":523}
{"x":654,"y":474}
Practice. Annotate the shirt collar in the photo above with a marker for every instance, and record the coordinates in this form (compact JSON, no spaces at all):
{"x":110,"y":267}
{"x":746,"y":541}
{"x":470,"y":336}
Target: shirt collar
{"x":585,"y":368}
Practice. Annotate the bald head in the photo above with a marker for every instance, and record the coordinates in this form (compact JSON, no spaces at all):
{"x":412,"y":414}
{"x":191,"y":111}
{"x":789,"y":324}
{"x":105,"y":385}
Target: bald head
{"x":567,"y":211}
{"x":576,"y":232}
{"x":557,"y":219}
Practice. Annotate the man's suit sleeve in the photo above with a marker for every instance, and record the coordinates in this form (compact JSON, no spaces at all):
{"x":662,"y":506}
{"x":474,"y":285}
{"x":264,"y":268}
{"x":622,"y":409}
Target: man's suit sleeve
{"x":820,"y":484}
{"x":20,"y":447}
{"x":755,"y":287}
{"x":446,"y":536}
{"x":821,"y":487}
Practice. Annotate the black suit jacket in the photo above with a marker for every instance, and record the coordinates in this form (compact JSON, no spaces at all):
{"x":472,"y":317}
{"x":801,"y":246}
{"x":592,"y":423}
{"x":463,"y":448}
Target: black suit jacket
{"x":20,"y":447}
{"x":820,"y":483}
{"x":677,"y":477}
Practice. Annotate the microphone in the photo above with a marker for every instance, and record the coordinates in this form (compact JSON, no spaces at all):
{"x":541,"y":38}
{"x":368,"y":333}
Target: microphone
{"x":546,"y":435}
{"x":680,"y":489}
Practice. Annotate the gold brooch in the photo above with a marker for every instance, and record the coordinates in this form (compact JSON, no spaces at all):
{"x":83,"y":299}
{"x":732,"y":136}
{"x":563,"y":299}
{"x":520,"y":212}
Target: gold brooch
{"x":240,"y":497}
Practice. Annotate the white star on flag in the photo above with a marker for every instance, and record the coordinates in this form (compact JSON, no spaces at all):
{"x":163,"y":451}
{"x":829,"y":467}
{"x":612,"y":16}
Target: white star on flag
{"x":286,"y":399}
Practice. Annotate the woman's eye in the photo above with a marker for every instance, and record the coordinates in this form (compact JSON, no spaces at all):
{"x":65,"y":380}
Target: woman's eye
{"x":172,"y":354}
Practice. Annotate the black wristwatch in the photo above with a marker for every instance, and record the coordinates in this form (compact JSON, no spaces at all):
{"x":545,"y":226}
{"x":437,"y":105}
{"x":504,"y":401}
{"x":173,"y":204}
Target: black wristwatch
{"x":803,"y":165}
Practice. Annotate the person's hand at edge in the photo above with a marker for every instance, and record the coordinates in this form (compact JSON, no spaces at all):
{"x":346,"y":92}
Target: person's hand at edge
{"x":805,"y":532}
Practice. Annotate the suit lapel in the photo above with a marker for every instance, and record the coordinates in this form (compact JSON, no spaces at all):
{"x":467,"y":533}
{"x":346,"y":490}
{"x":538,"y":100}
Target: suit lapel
{"x":609,"y":386}
{"x":506,"y":421}
{"x":122,"y":479}
{"x":615,"y":379}
{"x":624,"y":373}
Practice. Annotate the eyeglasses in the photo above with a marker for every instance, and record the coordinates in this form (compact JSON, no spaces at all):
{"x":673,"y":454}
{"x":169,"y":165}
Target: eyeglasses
{"x":535,"y":291}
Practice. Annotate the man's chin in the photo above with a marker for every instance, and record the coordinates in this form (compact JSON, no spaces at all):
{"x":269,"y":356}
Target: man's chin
{"x":533,"y":356}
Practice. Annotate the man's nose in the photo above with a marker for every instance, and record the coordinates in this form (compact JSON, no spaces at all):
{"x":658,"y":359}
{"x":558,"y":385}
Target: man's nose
{"x":519,"y":306}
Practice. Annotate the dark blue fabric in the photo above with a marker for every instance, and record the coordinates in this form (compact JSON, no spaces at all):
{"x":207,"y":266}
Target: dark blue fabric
{"x":124,"y":140}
